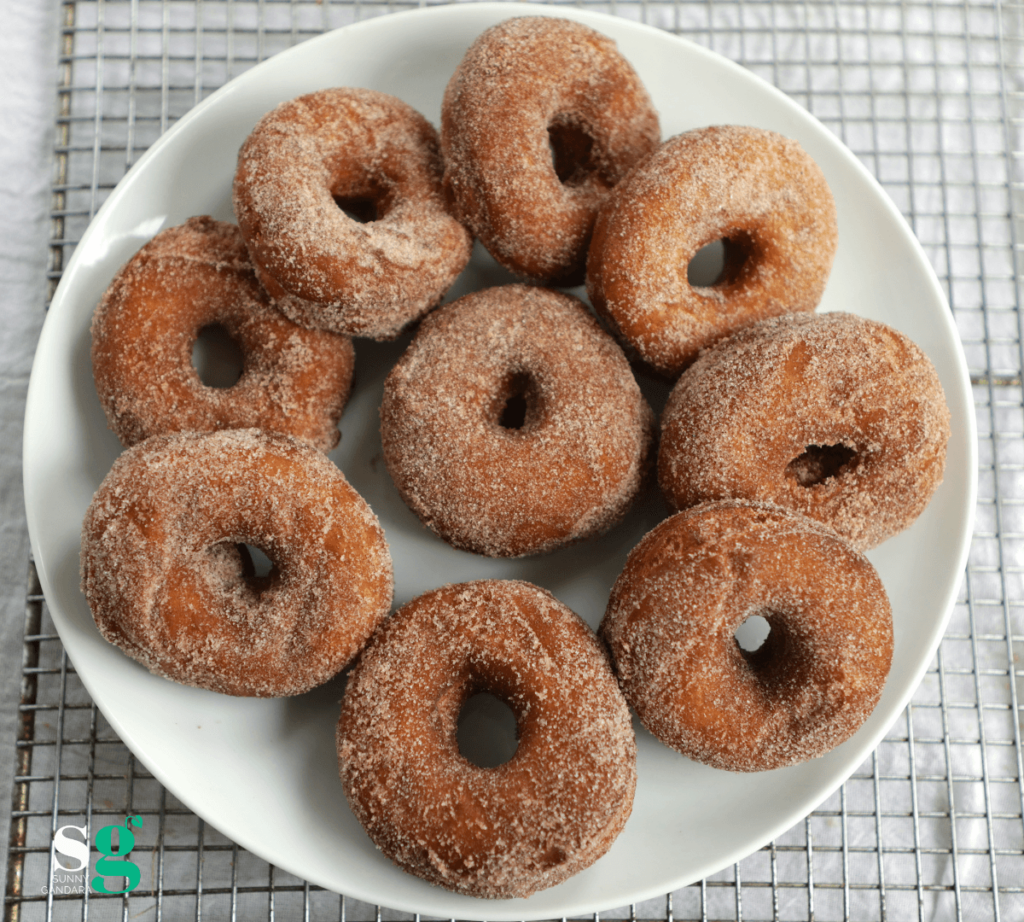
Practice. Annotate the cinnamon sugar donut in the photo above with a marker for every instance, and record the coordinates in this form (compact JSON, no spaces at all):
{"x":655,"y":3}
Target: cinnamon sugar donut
{"x":550,"y":811}
{"x":687,"y":587}
{"x":513,"y":425}
{"x":198,"y":275}
{"x":378,"y":158}
{"x":165,"y":580}
{"x":839,"y":418}
{"x":541,"y":119}
{"x":758,"y":192}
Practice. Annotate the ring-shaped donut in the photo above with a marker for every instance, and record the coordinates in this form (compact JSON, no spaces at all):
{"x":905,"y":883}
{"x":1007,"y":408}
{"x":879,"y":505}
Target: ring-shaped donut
{"x":542,"y":117}
{"x":759,"y":193}
{"x":549,"y":812}
{"x":839,"y":418}
{"x":697,"y":577}
{"x":565,"y":469}
{"x":316,"y":155}
{"x":165,"y":581}
{"x":198,"y":275}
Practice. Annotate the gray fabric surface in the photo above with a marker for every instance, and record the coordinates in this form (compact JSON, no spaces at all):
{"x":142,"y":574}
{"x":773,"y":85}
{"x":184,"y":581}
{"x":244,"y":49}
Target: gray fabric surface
{"x":28,"y":72}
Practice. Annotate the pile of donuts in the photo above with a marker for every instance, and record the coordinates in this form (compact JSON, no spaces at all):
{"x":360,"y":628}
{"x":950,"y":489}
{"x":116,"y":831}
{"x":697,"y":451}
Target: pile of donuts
{"x":512,"y":425}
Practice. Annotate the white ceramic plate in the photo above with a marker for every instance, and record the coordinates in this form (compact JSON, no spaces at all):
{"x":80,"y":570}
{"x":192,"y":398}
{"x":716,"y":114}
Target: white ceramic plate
{"x":264,"y":772}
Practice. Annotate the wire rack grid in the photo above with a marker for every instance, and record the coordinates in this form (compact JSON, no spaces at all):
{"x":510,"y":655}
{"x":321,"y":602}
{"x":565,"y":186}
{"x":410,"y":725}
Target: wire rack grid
{"x":931,"y":827}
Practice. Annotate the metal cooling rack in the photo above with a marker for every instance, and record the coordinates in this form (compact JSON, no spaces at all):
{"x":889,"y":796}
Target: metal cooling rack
{"x":931,"y":827}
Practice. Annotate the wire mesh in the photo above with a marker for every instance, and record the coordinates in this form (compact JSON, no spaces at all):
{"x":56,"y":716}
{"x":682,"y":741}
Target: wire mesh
{"x":929,"y":96}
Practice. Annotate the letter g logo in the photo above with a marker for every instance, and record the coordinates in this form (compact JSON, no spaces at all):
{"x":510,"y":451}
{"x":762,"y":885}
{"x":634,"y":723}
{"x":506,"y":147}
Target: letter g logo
{"x":108,"y":866}
{"x":71,"y":848}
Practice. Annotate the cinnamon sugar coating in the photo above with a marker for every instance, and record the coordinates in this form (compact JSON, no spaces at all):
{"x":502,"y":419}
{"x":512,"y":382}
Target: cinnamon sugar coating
{"x":165,"y":576}
{"x":758,"y":192}
{"x":377,"y":156}
{"x":549,"y":812}
{"x":196,"y":275}
{"x":839,"y":418}
{"x":542,"y":117}
{"x":567,"y":468}
{"x":699,"y":575}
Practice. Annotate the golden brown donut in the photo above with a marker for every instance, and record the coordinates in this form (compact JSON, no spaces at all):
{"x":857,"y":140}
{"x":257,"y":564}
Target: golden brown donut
{"x":549,"y":812}
{"x":699,"y":575}
{"x":755,"y":190}
{"x":375,"y":156}
{"x":513,"y":425}
{"x":165,"y":580}
{"x":839,"y":418}
{"x":542,"y":117}
{"x":198,"y":275}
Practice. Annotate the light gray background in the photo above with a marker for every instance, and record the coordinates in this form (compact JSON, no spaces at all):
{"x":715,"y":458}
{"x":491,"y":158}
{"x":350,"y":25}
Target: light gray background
{"x":28,"y":78}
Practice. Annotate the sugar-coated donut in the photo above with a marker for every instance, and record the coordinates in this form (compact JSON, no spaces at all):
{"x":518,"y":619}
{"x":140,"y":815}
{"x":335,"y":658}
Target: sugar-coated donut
{"x":376,"y":156}
{"x":839,"y":418}
{"x":513,"y":424}
{"x":542,"y":117}
{"x":674,"y":611}
{"x":756,"y":191}
{"x":197,"y":275}
{"x":549,"y":812}
{"x":164,"y":577}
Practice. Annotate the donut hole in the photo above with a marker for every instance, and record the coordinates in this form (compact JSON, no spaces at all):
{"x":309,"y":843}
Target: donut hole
{"x":705,"y":269}
{"x":513,"y":416}
{"x":780,"y":659}
{"x":572,"y":151}
{"x":762,"y":642}
{"x":260,"y":565}
{"x":259,"y":572}
{"x":752,"y":633}
{"x":216,"y":357}
{"x":363,"y":209}
{"x":236,"y":563}
{"x":819,"y":463}
{"x":722,"y":262}
{"x":488,"y":733}
{"x":518,"y":402}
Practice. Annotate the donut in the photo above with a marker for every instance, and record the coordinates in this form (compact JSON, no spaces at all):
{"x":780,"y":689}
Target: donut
{"x":836,"y":417}
{"x":338,"y":195}
{"x":188,"y":278}
{"x":550,"y":811}
{"x":542,"y":117}
{"x":513,"y":425}
{"x":757,"y":192}
{"x":697,"y":577}
{"x":165,"y":578}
